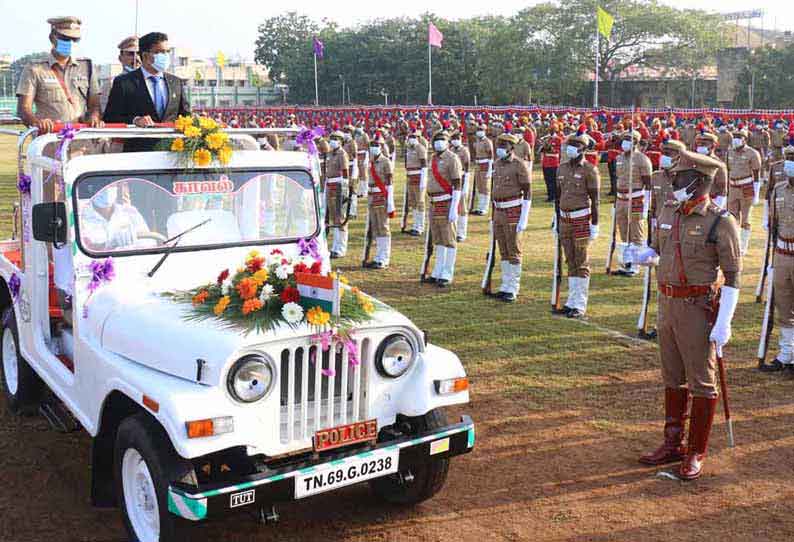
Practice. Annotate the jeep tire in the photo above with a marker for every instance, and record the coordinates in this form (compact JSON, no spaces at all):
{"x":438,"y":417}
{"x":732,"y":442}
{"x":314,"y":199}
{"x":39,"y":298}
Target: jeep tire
{"x":144,"y":463}
{"x":428,"y":477}
{"x":22,"y":386}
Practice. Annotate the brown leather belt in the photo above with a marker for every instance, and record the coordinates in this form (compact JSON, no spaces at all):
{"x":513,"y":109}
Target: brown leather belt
{"x":671,"y":290}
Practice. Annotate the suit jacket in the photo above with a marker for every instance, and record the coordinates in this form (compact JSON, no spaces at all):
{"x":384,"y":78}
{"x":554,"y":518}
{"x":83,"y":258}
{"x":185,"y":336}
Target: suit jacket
{"x":130,"y":98}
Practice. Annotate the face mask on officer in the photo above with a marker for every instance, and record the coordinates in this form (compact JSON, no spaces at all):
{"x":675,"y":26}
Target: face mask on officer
{"x":334,"y":144}
{"x":788,"y":168}
{"x":738,"y":142}
{"x":348,"y":137}
{"x":626,"y":145}
{"x":503,"y":152}
{"x":64,"y":47}
{"x":480,"y":134}
{"x":703,"y":150}
{"x":374,"y":151}
{"x":105,"y":198}
{"x":456,"y":142}
{"x":440,"y":145}
{"x":666,"y":162}
{"x":161,"y":61}
{"x":572,"y":151}
{"x":412,"y":141}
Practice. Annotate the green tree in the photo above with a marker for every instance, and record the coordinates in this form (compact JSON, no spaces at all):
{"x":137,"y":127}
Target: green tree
{"x":769,"y":74}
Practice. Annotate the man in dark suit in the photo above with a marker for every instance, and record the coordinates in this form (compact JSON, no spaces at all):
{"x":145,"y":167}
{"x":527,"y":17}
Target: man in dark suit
{"x":147,"y":95}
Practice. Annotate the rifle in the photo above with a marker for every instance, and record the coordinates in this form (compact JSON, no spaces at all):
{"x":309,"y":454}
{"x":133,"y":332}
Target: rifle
{"x":489,"y":260}
{"x":769,"y":311}
{"x":613,"y":243}
{"x":367,"y":239}
{"x":428,"y":250}
{"x":642,"y":323}
{"x":556,"y":284}
{"x":404,"y":225}
{"x":759,"y":289}
{"x":724,"y":391}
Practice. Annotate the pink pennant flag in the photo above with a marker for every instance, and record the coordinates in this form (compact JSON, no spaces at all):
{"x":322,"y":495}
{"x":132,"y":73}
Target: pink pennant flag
{"x":434,"y":36}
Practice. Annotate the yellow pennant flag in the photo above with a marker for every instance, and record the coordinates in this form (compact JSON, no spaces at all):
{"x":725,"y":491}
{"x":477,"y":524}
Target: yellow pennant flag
{"x":220,"y":60}
{"x":605,"y":22}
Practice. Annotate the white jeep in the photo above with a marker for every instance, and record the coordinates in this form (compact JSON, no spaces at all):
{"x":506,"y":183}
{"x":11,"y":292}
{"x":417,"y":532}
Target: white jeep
{"x":193,"y":419}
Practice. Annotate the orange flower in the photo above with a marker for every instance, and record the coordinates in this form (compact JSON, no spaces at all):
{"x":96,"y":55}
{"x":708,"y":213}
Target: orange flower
{"x":200,"y":297}
{"x":202,"y":157}
{"x":247,"y":288}
{"x":221,"y":305}
{"x":260,"y":277}
{"x":251,"y":305}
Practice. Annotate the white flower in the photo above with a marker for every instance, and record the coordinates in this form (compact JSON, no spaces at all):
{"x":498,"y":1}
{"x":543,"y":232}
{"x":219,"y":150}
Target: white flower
{"x":284,"y":271}
{"x":274,"y":258}
{"x":226,"y":287}
{"x":292,"y":312}
{"x":266,"y":293}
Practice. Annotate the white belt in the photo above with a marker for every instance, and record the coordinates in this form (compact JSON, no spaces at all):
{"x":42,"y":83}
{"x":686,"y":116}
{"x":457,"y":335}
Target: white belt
{"x":507,"y":204}
{"x":334,"y":180}
{"x":374,"y":190}
{"x":414,"y":172}
{"x":741,"y":182}
{"x":581,"y":213}
{"x":633,"y":195}
{"x":483,"y":161}
{"x":443,"y":197}
{"x":361,"y":152}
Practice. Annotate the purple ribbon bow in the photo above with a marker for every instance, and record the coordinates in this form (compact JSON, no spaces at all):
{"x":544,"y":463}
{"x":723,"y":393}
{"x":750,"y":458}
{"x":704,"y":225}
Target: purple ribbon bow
{"x":306,"y":137}
{"x":14,"y":286}
{"x":23,"y":183}
{"x":101,"y":272}
{"x":309,"y":247}
{"x":66,"y":133}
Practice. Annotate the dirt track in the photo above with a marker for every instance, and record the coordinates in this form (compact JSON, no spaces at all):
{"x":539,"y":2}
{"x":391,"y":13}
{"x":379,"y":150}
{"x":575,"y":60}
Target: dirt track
{"x":560,"y":473}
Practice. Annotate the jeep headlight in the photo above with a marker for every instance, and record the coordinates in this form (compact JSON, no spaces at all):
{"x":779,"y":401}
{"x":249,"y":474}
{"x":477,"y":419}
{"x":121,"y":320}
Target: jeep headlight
{"x":250,"y":378}
{"x":395,"y":355}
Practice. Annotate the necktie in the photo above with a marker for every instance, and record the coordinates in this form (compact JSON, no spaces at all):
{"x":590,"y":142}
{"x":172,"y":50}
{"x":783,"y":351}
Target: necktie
{"x":159,"y":102}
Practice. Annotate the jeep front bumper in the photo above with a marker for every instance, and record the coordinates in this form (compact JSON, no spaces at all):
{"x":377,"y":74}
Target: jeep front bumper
{"x":213,"y":500}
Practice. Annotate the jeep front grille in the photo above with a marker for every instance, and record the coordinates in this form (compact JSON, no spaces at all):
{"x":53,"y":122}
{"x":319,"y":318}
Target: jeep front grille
{"x":311,"y":400}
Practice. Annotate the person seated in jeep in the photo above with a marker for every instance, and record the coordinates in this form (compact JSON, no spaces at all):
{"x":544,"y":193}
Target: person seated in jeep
{"x":108,"y":224}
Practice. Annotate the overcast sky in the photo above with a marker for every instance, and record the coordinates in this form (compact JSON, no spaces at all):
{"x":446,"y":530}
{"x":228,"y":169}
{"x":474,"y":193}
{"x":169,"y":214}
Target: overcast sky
{"x":230,"y":25}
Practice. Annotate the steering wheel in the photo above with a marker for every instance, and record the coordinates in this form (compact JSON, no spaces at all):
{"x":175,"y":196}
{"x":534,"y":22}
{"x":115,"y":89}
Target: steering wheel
{"x":160,"y":238}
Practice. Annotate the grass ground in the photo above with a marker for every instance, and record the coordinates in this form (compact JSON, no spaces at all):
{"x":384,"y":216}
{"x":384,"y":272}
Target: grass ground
{"x":563,"y":408}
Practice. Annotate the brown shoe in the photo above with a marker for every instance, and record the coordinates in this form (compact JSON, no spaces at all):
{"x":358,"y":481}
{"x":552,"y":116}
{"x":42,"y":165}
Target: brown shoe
{"x":672,"y":449}
{"x":699,"y":429}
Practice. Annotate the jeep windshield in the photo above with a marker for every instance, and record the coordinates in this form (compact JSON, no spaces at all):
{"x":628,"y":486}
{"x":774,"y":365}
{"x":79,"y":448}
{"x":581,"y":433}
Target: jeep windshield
{"x":144,"y":212}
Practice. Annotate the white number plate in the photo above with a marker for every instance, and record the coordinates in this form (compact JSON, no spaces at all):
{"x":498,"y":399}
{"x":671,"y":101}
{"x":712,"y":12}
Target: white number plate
{"x":329,"y":477}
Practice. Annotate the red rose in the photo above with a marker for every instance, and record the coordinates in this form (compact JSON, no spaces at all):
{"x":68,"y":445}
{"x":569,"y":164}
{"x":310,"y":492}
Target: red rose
{"x":316,"y":268}
{"x":290,"y":295}
{"x":254,"y":264}
{"x":301,"y":268}
{"x":223,"y":276}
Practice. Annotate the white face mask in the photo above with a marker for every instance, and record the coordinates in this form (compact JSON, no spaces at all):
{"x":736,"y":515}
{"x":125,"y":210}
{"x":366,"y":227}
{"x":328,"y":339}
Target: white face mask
{"x":334,"y":144}
{"x":681,"y":195}
{"x":666,"y":162}
{"x":571,"y":151}
{"x":440,"y":145}
{"x":374,"y":151}
{"x":501,"y":152}
{"x":788,"y":168}
{"x":480,"y":134}
{"x":703,"y":150}
{"x":738,"y":142}
{"x":348,"y":137}
{"x":412,"y":141}
{"x":626,"y":146}
{"x":456,"y":142}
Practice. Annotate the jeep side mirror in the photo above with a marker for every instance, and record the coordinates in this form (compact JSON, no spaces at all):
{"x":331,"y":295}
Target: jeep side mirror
{"x":49,"y":222}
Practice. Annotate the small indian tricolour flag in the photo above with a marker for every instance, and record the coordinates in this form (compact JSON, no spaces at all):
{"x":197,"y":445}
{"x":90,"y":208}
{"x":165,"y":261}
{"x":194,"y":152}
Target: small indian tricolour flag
{"x":318,"y":291}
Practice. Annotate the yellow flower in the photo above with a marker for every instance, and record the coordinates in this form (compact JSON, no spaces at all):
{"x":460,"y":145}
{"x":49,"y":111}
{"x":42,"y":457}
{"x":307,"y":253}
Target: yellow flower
{"x":181,"y":123}
{"x":178,"y":145}
{"x":251,"y":255}
{"x":344,"y":280}
{"x":225,"y":155}
{"x":368,"y":307}
{"x":216,"y":140}
{"x":332,"y":275}
{"x":260,"y":277}
{"x":207,"y":123}
{"x":221,"y":305}
{"x":202,"y":157}
{"x":192,"y":131}
{"x":317,"y":316}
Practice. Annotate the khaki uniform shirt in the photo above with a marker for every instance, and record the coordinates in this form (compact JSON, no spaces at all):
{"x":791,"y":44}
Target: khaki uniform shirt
{"x":641,"y":167}
{"x":724,"y":141}
{"x":743,"y":162}
{"x":463,"y":155}
{"x":471,"y":128}
{"x":350,"y":148}
{"x":450,"y":169}
{"x":362,"y":145}
{"x":701,"y":260}
{"x":483,"y":149}
{"x":662,"y":187}
{"x":391,"y":143}
{"x":39,"y":80}
{"x":336,"y":164}
{"x":776,"y":175}
{"x":383,"y":168}
{"x":523,"y":151}
{"x":782,"y":212}
{"x":414,"y":156}
{"x":778,"y":137}
{"x":511,"y":179}
{"x":575,"y":182}
{"x":436,"y":127}
{"x":719,"y":187}
{"x":759,"y":140}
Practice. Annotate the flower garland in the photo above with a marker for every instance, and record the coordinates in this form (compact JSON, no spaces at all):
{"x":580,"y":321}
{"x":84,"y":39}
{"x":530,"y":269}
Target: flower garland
{"x":263,"y":294}
{"x":203,"y":142}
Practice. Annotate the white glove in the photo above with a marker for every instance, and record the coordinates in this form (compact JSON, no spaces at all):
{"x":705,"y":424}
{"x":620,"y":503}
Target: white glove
{"x":365,"y":163}
{"x":646,"y":202}
{"x":124,"y":236}
{"x":756,"y":192}
{"x":453,"y":207}
{"x":765,"y":219}
{"x":363,"y":187}
{"x":423,"y":179}
{"x":720,"y":201}
{"x":490,"y":168}
{"x":390,"y":199}
{"x":465,"y":183}
{"x":653,"y":223}
{"x":594,"y":232}
{"x":721,"y":332}
{"x":640,"y":256}
{"x":526,"y":205}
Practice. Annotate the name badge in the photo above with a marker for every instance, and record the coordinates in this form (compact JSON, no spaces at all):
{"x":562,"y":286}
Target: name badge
{"x":666,"y":226}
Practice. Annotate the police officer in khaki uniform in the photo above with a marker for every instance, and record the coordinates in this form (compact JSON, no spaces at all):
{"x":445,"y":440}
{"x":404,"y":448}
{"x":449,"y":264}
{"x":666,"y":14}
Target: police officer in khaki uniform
{"x":337,"y":182}
{"x":444,"y":193}
{"x":483,"y":155}
{"x":416,"y":182}
{"x":778,"y":137}
{"x":511,"y":200}
{"x":523,"y":149}
{"x":361,"y":139}
{"x":390,"y":141}
{"x":696,"y":241}
{"x":724,"y":142}
{"x":462,"y":151}
{"x":578,"y":183}
{"x":633,"y":186}
{"x":63,"y":88}
{"x":129,"y":59}
{"x":380,"y":203}
{"x":744,"y":166}
{"x":662,"y":179}
{"x":759,"y":140}
{"x":781,"y":219}
{"x":706,"y":144}
{"x":471,"y":130}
